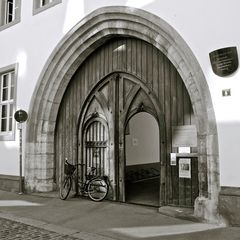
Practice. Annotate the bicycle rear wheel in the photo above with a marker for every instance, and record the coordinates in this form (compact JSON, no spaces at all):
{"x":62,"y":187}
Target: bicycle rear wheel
{"x":97,"y":189}
{"x":65,"y":187}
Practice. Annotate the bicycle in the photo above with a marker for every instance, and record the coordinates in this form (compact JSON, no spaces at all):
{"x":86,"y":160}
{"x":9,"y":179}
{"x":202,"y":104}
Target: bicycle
{"x":95,"y":187}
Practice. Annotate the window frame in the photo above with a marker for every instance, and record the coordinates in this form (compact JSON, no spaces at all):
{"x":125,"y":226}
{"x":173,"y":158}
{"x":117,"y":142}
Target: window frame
{"x":8,"y":135}
{"x":4,"y":22}
{"x":9,"y":13}
{"x":37,"y":8}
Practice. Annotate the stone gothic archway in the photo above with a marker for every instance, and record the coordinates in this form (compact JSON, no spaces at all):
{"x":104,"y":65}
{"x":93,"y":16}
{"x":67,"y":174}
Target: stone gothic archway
{"x":90,"y":33}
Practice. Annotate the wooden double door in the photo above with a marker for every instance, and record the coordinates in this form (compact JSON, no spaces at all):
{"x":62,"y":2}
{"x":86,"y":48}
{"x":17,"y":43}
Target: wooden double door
{"x":124,"y":77}
{"x":103,"y":124}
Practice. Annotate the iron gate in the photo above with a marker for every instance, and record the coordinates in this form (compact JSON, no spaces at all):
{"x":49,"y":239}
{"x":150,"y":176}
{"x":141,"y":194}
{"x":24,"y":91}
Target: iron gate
{"x":95,"y":146}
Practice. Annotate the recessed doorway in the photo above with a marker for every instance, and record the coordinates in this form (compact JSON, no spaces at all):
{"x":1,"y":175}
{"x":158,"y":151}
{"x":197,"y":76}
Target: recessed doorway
{"x":106,"y":105}
{"x":142,"y":169}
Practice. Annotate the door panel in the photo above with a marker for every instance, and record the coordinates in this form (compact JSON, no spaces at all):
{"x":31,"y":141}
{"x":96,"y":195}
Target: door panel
{"x":185,"y":190}
{"x":133,"y":98}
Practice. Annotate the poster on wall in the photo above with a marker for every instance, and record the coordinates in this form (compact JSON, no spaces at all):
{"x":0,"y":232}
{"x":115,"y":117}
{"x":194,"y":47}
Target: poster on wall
{"x":184,"y":167}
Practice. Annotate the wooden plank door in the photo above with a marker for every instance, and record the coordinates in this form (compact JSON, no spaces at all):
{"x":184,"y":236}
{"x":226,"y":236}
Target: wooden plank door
{"x":185,"y":189}
{"x":133,"y":97}
{"x":147,"y":81}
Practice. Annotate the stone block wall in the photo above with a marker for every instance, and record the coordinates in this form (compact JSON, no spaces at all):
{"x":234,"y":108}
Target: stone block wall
{"x":9,"y":183}
{"x":229,"y":205}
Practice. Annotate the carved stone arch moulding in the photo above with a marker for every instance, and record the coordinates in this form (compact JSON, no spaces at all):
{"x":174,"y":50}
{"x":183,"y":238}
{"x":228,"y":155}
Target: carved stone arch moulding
{"x":90,"y":33}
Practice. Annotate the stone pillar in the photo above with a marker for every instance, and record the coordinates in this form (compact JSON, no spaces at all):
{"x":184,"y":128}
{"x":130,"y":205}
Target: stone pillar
{"x":39,"y":160}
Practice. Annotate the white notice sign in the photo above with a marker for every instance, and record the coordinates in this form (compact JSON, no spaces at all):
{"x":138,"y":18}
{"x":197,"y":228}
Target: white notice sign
{"x":184,"y":149}
{"x":184,"y":167}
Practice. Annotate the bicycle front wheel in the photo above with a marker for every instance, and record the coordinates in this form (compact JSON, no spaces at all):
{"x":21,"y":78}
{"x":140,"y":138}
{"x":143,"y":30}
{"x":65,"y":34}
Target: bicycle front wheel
{"x":97,"y":189}
{"x":65,"y":187}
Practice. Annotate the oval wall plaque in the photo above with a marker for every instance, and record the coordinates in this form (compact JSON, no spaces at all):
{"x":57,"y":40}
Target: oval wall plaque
{"x":224,"y":61}
{"x":20,"y":116}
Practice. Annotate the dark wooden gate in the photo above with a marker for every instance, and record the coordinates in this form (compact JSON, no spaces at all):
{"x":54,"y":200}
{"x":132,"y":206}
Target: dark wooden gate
{"x":122,"y":77}
{"x":95,"y":145}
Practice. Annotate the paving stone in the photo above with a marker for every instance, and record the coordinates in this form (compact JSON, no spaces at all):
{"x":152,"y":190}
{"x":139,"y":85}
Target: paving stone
{"x":11,"y":230}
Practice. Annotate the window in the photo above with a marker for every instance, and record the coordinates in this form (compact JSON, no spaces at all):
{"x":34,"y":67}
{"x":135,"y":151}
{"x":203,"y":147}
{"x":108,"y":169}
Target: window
{"x":41,"y":5}
{"x":9,"y":13}
{"x":45,"y":2}
{"x":7,"y":105}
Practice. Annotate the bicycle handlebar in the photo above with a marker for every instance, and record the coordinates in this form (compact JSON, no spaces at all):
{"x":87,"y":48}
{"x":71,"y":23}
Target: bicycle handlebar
{"x":79,"y":164}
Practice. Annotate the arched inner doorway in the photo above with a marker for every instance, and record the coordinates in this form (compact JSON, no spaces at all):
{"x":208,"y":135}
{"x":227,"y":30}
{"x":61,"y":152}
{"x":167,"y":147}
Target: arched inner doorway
{"x":104,"y":116}
{"x":142,"y":159}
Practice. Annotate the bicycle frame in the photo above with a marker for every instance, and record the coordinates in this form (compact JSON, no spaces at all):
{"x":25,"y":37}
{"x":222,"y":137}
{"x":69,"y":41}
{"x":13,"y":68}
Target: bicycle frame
{"x":93,"y":186}
{"x":83,"y":185}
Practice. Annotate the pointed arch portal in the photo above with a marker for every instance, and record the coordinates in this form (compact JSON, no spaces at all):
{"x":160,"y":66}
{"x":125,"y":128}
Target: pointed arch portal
{"x":88,"y":35}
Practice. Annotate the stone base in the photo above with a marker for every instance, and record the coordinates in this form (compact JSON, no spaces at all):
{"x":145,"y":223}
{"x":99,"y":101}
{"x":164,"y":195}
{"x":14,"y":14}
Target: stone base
{"x":10,"y":183}
{"x":185,"y":213}
{"x":229,"y":205}
{"x":33,"y":185}
{"x":207,"y":210}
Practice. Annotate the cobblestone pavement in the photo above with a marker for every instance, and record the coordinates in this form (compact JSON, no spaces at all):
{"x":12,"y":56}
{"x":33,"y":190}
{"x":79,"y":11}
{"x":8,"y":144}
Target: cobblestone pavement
{"x":14,"y":230}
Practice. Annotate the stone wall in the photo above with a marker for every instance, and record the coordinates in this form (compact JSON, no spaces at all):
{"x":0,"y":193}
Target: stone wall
{"x":229,"y":205}
{"x":9,"y":183}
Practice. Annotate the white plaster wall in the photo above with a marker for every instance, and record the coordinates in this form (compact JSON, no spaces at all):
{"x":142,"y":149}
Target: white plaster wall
{"x":29,"y":44}
{"x":142,"y":142}
{"x":204,"y":25}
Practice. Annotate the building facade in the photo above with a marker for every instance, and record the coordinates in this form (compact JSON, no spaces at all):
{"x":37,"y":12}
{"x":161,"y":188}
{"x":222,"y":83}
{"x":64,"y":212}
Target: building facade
{"x":127,"y":87}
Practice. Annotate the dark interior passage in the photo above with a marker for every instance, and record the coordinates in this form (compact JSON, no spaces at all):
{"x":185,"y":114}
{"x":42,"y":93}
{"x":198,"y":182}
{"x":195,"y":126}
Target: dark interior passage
{"x":142,"y":171}
{"x":143,"y":191}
